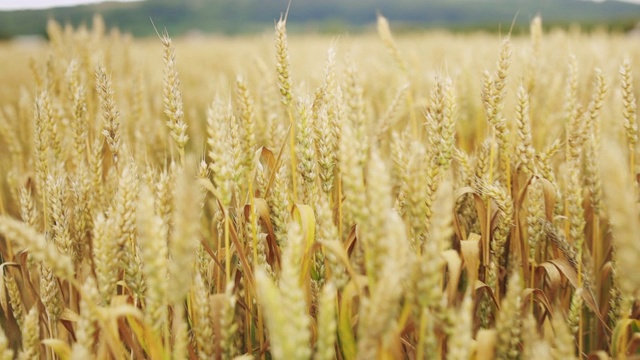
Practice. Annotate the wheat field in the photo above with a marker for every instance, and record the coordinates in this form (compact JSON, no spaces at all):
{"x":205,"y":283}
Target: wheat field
{"x":371,"y":196}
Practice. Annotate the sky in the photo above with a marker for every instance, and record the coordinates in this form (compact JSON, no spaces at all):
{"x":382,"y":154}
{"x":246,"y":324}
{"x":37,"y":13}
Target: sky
{"x":43,"y":4}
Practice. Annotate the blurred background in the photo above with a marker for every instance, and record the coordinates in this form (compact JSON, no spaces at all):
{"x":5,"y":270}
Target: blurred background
{"x":230,"y":17}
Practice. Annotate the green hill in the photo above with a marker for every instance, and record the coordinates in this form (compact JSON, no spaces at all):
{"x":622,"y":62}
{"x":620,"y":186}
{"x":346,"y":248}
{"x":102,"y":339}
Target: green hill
{"x":242,"y":16}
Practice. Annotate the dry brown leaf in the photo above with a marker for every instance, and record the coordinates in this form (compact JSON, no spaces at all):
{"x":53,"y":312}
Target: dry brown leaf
{"x":454,"y":265}
{"x":470,"y":250}
{"x":523,"y":191}
{"x":484,"y":287}
{"x":263,"y":212}
{"x":538,"y":295}
{"x":481,"y":208}
{"x":268,"y":154}
{"x":33,"y":294}
{"x":569,"y":272}
{"x":486,"y":344}
{"x":463,"y":191}
{"x":268,"y":158}
{"x":553,"y":278}
{"x":304,"y":216}
{"x":69,"y":315}
{"x":549,"y":192}
{"x":606,"y":269}
{"x":351,"y":240}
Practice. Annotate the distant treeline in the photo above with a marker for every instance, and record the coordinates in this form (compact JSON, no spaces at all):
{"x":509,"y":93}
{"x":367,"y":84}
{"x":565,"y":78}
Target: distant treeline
{"x":334,"y":16}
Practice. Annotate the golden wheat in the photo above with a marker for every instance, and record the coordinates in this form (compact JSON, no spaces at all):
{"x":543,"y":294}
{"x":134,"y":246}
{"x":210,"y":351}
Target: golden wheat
{"x":397,"y":199}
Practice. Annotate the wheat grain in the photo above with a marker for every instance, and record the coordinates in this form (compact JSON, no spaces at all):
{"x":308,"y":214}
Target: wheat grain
{"x":153,"y":250}
{"x":23,"y":236}
{"x":172,"y":94}
{"x":111,"y":121}
{"x":31,"y":336}
{"x":323,"y":221}
{"x":15,"y":299}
